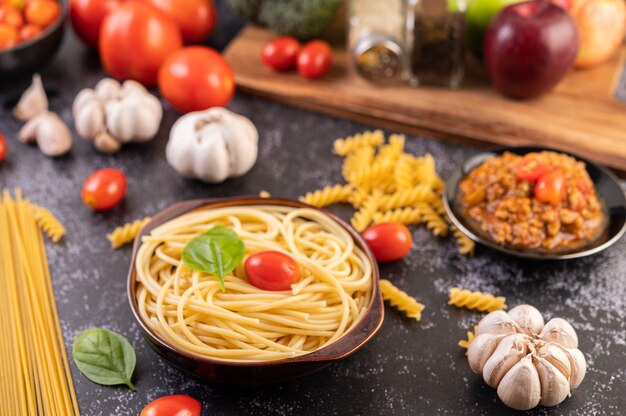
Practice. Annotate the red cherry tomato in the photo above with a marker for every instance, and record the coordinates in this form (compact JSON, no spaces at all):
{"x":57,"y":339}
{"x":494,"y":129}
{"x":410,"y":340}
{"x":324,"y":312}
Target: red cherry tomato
{"x":135,"y":40}
{"x":196,"y":18}
{"x":315,"y":59}
{"x":530,"y":168}
{"x":3,"y":148}
{"x":175,"y":405}
{"x":11,"y":16}
{"x":272,"y":270}
{"x":87,"y":16}
{"x":281,"y":53}
{"x":30,"y":31}
{"x":551,"y":187}
{"x":42,"y":12}
{"x":196,"y":78}
{"x":9,"y":36}
{"x":389,"y":241}
{"x":104,"y":189}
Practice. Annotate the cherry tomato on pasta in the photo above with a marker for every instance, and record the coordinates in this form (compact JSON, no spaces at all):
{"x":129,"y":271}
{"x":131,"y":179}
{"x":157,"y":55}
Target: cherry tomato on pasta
{"x":104,"y":189}
{"x":315,"y":59}
{"x":3,"y":148}
{"x":530,"y":168}
{"x":551,"y":187}
{"x":281,"y":53}
{"x":389,"y":241}
{"x":175,"y":405}
{"x":272,"y":270}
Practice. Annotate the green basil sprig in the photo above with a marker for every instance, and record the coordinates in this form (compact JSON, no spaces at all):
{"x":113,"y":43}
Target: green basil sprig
{"x":217,"y":251}
{"x":104,"y":357}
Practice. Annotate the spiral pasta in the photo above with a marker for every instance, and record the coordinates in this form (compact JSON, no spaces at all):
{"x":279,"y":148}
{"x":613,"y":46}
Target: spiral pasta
{"x":362,"y":156}
{"x":407,"y":197}
{"x":126,"y":233}
{"x":482,"y":302}
{"x":49,"y":224}
{"x":364,"y":216}
{"x":328,"y":195}
{"x":466,"y":245}
{"x":403,"y":174}
{"x":403,"y":216}
{"x":401,"y":300}
{"x":465,"y":343}
{"x":369,"y":176}
{"x":369,"y":138}
{"x":433,"y":221}
{"x":425,"y":172}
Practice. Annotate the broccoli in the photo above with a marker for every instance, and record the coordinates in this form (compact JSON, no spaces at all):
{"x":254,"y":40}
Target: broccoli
{"x":303,"y":19}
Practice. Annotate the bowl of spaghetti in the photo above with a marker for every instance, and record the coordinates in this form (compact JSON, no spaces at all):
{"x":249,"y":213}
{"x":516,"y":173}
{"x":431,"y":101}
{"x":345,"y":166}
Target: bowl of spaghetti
{"x":239,"y":333}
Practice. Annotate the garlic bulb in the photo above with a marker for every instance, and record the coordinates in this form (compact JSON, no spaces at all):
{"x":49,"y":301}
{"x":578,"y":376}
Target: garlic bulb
{"x":212,"y":145}
{"x":113,"y":112}
{"x":529,"y":363}
{"x":49,"y":132}
{"x":33,"y":101}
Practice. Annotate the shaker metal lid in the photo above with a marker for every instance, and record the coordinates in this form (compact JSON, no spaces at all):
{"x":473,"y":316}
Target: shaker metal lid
{"x":378,"y":58}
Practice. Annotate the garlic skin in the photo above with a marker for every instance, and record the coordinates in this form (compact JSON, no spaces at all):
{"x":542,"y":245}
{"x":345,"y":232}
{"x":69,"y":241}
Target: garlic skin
{"x":212,"y":145}
{"x":50,"y":132}
{"x":529,"y":363}
{"x":33,"y":101}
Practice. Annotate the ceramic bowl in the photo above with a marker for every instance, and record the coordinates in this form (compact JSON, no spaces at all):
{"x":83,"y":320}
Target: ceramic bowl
{"x":31,"y":55}
{"x":607,"y":189}
{"x":258,"y":372}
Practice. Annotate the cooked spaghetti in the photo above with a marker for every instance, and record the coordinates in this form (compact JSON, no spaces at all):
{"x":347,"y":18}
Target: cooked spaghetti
{"x":187,"y":309}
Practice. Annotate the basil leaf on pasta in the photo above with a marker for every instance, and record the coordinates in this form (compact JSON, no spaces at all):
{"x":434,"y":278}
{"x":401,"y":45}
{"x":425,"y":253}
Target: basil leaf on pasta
{"x":104,"y":357}
{"x":217,"y":252}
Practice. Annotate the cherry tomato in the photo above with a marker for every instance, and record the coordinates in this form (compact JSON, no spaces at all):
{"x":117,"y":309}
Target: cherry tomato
{"x":550,"y":187}
{"x":42,"y":12}
{"x":9,"y":36}
{"x":30,"y":31}
{"x":196,"y":78}
{"x":530,"y":168}
{"x":281,"y":53}
{"x":196,"y":18}
{"x":87,"y":16}
{"x":3,"y":148}
{"x":272,"y":270}
{"x":135,"y":40}
{"x":389,"y":241}
{"x":315,"y":59}
{"x":104,"y":189}
{"x":11,"y":16}
{"x":175,"y":405}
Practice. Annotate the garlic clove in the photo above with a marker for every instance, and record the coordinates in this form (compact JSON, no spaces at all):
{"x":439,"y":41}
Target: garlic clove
{"x":106,"y":143}
{"x":130,"y":86}
{"x":498,"y":322}
{"x":135,"y":117}
{"x":480,"y":349}
{"x":557,"y":356}
{"x":108,"y":89}
{"x":509,"y":352}
{"x":528,"y":318}
{"x":520,"y":388}
{"x":578,"y":366}
{"x":560,"y":331}
{"x":88,"y":114}
{"x":554,"y":385}
{"x":33,"y":101}
{"x":53,"y":136}
{"x":28,"y":132}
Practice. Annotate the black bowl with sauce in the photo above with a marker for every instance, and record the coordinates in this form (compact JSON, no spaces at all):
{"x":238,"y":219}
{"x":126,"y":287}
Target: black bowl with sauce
{"x":608,"y":191}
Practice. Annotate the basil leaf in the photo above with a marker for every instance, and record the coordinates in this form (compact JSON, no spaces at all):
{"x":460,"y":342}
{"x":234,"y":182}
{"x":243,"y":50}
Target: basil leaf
{"x":104,"y":357}
{"x":217,"y":252}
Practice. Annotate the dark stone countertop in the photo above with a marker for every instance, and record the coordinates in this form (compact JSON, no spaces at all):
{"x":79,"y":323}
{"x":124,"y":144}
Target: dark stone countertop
{"x":408,"y":368}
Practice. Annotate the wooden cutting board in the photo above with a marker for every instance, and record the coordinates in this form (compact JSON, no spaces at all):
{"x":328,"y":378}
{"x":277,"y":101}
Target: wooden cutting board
{"x":581,"y":115}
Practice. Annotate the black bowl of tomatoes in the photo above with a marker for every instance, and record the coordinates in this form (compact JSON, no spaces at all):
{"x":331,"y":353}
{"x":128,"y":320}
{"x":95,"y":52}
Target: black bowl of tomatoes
{"x":30,"y":33}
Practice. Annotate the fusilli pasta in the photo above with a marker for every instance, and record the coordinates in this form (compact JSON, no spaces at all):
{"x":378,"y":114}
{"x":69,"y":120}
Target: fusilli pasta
{"x":401,"y":300}
{"x":364,"y":216}
{"x":126,"y":233}
{"x":466,"y":244}
{"x":264,"y":194}
{"x":433,"y":221}
{"x":407,"y":197}
{"x":49,"y":224}
{"x":403,"y":174}
{"x":402,"y":215}
{"x":328,"y":195}
{"x":483,"y":302}
{"x":465,"y":343}
{"x":369,"y":138}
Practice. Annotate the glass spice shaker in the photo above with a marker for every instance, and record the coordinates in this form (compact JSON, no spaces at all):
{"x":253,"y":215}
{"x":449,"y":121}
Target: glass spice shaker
{"x":435,"y":38}
{"x":376,"y":38}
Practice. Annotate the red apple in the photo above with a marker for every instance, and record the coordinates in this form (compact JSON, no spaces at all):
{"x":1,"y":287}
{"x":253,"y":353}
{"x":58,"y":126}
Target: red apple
{"x":529,"y":47}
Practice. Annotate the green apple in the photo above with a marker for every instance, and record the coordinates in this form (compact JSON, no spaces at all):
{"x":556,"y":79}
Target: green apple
{"x":477,"y":17}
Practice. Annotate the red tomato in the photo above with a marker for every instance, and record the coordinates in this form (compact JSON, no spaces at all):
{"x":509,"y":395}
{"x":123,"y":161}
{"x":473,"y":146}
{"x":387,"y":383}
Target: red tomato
{"x":550,"y":187}
{"x":87,"y":16}
{"x":175,"y":405}
{"x":135,"y":40}
{"x":11,"y":16}
{"x":315,"y":59}
{"x":281,"y":53}
{"x":42,"y":12}
{"x":272,"y":270}
{"x":30,"y":31}
{"x":196,"y":18}
{"x":196,"y":78}
{"x":104,"y":189}
{"x":530,"y":168}
{"x":9,"y":36}
{"x":389,"y":241}
{"x":3,"y":148}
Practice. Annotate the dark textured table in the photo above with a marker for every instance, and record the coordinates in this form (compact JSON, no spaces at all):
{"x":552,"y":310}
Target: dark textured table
{"x":408,"y":368}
